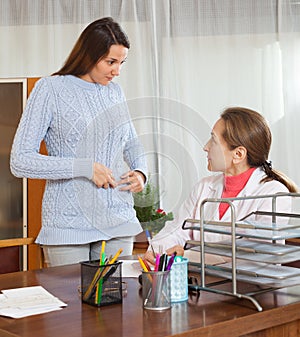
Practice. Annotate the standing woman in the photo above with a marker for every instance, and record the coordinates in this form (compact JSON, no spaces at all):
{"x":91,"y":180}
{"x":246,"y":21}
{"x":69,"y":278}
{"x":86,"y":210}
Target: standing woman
{"x":83,"y":118}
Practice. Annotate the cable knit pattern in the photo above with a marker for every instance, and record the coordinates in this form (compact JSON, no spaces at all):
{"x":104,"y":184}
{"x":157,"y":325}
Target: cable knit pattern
{"x":81,"y":123}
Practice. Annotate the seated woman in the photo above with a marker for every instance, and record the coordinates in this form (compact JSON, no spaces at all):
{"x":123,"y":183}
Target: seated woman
{"x":238,"y":148}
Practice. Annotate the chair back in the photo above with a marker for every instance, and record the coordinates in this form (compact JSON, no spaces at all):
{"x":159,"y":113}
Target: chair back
{"x":11,"y":254}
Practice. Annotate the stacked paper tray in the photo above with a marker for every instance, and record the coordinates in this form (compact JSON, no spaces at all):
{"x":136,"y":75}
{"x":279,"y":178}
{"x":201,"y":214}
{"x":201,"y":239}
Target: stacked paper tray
{"x":258,"y":273}
{"x":253,"y":250}
{"x":250,"y":229}
{"x":255,"y":233}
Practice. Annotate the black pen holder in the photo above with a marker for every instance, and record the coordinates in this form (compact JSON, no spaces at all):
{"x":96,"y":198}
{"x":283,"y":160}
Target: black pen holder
{"x":101,"y":285}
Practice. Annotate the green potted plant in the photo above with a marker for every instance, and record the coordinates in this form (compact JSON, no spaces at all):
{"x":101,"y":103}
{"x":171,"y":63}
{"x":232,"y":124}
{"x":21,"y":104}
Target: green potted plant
{"x":146,"y":204}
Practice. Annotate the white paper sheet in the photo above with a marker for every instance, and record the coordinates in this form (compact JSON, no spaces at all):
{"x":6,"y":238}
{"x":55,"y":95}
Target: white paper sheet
{"x":131,"y":268}
{"x":27,"y":301}
{"x":194,"y":256}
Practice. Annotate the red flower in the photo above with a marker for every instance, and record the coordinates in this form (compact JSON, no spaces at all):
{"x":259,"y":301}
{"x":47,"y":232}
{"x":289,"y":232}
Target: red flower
{"x":160,"y":211}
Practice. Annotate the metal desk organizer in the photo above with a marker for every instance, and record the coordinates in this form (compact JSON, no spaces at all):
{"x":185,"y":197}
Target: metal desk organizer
{"x":252,"y":248}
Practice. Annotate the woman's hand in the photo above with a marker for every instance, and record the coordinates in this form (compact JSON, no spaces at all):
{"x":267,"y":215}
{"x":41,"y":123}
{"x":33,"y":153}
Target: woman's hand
{"x":103,"y":177}
{"x":134,"y":181}
{"x":176,"y":249}
{"x":149,"y":256}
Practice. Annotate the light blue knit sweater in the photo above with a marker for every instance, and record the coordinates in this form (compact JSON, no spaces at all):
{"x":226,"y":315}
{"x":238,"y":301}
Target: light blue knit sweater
{"x":81,"y":123}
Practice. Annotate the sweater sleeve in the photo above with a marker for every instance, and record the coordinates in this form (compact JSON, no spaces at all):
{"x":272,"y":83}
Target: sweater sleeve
{"x":25,"y":159}
{"x":134,"y":154}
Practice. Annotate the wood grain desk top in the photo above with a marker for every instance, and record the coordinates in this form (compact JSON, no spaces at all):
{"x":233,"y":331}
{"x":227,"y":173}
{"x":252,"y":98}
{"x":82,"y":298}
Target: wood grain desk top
{"x":209,"y":315}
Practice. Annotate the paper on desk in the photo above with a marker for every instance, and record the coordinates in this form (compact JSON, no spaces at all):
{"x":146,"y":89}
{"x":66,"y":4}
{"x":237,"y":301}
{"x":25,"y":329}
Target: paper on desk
{"x":27,"y":301}
{"x":131,"y":268}
{"x":194,"y":256}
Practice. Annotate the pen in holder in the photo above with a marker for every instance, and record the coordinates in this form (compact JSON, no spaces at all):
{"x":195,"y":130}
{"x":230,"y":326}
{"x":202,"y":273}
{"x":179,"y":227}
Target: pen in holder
{"x":156,"y":290}
{"x":101,"y":284}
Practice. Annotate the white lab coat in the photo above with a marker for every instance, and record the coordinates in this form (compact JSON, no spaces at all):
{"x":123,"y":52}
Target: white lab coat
{"x":211,"y":187}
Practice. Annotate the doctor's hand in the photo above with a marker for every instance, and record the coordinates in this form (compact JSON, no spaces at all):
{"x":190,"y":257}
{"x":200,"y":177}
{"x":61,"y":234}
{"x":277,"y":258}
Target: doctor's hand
{"x":149,"y":256}
{"x":133,"y":181}
{"x":103,"y":177}
{"x":176,"y":249}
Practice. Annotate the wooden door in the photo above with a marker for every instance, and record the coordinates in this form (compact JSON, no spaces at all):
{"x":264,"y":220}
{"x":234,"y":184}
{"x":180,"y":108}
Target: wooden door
{"x":35,"y":190}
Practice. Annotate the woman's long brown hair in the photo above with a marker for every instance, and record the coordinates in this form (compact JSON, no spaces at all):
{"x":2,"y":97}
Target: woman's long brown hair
{"x":93,"y":45}
{"x":248,"y":128}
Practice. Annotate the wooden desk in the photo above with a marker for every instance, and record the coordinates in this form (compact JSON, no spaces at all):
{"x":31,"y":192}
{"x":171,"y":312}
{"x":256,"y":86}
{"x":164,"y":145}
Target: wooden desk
{"x":211,"y":315}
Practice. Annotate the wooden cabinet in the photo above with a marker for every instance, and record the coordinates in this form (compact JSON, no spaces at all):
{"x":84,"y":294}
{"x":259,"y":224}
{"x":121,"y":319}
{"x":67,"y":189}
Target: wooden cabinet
{"x":13,"y":197}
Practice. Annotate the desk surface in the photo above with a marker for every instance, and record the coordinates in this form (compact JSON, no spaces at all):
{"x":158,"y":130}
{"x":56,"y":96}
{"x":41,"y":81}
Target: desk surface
{"x":209,"y":315}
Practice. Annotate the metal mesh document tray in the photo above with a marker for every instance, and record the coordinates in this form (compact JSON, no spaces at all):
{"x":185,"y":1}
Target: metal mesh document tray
{"x":251,"y":250}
